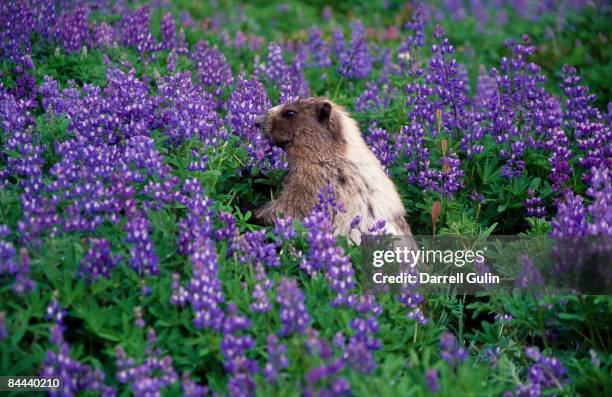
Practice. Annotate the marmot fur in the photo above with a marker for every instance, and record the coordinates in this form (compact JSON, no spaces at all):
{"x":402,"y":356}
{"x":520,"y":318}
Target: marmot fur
{"x":324,"y":146}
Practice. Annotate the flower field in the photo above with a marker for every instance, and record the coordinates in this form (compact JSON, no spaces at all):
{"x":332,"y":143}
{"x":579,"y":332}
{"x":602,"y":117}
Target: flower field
{"x":130,"y":262}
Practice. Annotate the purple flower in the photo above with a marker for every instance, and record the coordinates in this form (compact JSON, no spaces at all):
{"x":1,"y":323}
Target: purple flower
{"x":486,"y":89}
{"x":212,"y":69}
{"x":570,"y":218}
{"x":356,"y":61}
{"x":72,"y":29}
{"x":138,"y":320}
{"x":283,"y":229}
{"x":600,"y":209}
{"x":179,"y":295}
{"x":205,"y":291}
{"x":135,"y":30}
{"x":149,"y":377}
{"x":188,"y":112}
{"x":233,"y":348}
{"x":190,"y":388}
{"x":545,"y":372}
{"x":323,"y":253}
{"x":381,"y":144}
{"x":293,"y":313}
{"x":318,"y":48}
{"x":23,"y":283}
{"x":168,"y":31}
{"x":102,"y":35}
{"x":277,"y":360}
{"x":534,"y":205}
{"x":529,"y":276}
{"x":493,"y":354}
{"x":254,"y":249}
{"x":77,"y":378}
{"x":371,"y":98}
{"x":143,"y":258}
{"x":247,"y":101}
{"x":431,"y":380}
{"x":98,"y":261}
{"x":449,"y":351}
{"x":199,"y":221}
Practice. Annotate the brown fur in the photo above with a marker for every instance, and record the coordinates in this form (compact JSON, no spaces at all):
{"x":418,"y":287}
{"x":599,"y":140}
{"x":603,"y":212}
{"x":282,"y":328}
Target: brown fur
{"x":316,"y":148}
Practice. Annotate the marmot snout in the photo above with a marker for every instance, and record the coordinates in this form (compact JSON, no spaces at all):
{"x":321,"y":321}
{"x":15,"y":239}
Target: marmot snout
{"x":324,"y":146}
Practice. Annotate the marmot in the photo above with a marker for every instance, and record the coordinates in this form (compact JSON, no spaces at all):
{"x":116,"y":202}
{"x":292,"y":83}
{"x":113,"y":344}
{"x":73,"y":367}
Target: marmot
{"x":324,"y":146}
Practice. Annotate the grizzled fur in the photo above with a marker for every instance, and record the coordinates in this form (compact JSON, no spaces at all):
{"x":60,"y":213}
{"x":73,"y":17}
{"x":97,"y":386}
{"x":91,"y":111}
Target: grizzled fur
{"x":324,"y":145}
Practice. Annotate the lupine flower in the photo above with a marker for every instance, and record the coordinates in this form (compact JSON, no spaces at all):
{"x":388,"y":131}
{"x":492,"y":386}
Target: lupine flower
{"x":431,"y":380}
{"x":277,"y":360}
{"x":246,"y":102}
{"x":168,"y":31}
{"x":136,"y":30}
{"x":254,"y":249}
{"x":212,"y":69}
{"x":77,"y":378}
{"x":371,"y":98}
{"x":199,"y":221}
{"x":534,"y":205}
{"x":23,"y":283}
{"x":102,"y":35}
{"x":356,"y":61}
{"x":324,"y":380}
{"x":227,"y":231}
{"x":381,"y":144}
{"x":190,"y":388}
{"x":293,"y":313}
{"x":323,"y":253}
{"x":358,"y":350}
{"x":152,"y":375}
{"x":588,"y":126}
{"x":98,"y":261}
{"x":205,"y":290}
{"x":600,"y":209}
{"x":529,"y":276}
{"x":188,"y":112}
{"x":545,"y":372}
{"x":493,"y":355}
{"x":449,"y":351}
{"x":318,"y":48}
{"x":72,"y":30}
{"x":559,"y":160}
{"x":486,"y":89}
{"x":570,"y":219}
{"x":143,"y":258}
{"x":138,"y":320}
{"x":179,"y":294}
{"x":283,"y":229}
{"x":233,"y":348}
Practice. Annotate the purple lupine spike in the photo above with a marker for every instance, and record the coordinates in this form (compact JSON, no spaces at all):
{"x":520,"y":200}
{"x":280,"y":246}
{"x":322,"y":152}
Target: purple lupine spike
{"x":449,"y":350}
{"x":293,"y":312}
{"x":277,"y":360}
{"x":143,"y":258}
{"x":233,"y":348}
{"x":212,"y":69}
{"x":205,"y":291}
{"x":180,"y":295}
{"x":98,"y":261}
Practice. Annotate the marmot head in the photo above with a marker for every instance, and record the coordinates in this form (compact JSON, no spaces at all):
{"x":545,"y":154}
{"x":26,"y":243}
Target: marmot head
{"x":304,"y":125}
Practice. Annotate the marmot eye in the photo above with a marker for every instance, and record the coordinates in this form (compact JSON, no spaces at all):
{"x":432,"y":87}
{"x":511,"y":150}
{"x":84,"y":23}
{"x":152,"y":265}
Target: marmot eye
{"x":289,"y":114}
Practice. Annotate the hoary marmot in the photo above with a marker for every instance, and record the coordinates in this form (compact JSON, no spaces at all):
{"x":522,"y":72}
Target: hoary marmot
{"x":324,"y":146}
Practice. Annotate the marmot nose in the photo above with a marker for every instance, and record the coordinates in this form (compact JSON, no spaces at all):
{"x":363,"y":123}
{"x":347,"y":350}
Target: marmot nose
{"x":259,"y":120}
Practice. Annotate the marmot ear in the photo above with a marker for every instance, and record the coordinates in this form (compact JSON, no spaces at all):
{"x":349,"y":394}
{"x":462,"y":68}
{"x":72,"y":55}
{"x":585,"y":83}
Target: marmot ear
{"x":323,"y":111}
